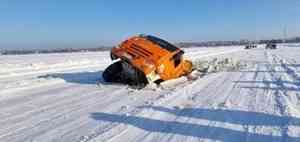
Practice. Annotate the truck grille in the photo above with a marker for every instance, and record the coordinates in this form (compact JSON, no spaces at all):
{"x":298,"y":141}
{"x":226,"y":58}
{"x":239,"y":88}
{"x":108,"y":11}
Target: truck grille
{"x":136,"y":49}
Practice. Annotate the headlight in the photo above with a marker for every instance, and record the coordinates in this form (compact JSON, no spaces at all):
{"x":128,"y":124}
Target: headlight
{"x":149,"y":64}
{"x":161,"y":69}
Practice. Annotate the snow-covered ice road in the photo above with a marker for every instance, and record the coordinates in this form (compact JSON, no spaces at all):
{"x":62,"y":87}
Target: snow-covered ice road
{"x":62,"y":98}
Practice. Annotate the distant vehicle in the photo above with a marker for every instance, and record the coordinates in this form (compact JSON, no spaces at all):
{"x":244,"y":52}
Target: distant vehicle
{"x":249,"y":46}
{"x":271,"y":45}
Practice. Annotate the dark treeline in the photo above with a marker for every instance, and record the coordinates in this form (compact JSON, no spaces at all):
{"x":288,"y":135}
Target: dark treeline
{"x":181,"y":44}
{"x":240,"y":42}
{"x":45,"y":51}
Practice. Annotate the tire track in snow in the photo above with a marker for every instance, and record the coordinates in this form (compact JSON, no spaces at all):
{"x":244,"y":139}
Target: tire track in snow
{"x":174,"y":99}
{"x":257,"y":76}
{"x":283,"y":103}
{"x":63,"y":94}
{"x":64,"y":110}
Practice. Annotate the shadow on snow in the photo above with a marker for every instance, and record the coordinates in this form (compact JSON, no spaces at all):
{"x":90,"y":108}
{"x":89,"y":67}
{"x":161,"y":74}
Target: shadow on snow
{"x":78,"y":77}
{"x":231,"y":116}
{"x":204,"y":131}
{"x":278,"y":82}
{"x":276,"y":85}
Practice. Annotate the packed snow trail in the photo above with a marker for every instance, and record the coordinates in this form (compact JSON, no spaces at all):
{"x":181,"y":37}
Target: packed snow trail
{"x":58,"y":97}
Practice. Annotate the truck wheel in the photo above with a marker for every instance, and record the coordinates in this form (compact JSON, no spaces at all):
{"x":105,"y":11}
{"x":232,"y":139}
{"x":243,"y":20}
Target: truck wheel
{"x":113,"y":72}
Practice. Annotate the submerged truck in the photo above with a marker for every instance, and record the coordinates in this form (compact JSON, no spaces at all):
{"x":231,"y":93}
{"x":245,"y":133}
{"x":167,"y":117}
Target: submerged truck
{"x":145,"y":59}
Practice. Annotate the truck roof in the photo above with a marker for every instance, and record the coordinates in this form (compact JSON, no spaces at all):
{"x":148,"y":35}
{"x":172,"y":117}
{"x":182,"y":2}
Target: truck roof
{"x":162,"y":43}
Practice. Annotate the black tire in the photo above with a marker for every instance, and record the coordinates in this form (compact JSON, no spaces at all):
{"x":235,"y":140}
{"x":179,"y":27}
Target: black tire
{"x":138,"y":81}
{"x":113,"y":72}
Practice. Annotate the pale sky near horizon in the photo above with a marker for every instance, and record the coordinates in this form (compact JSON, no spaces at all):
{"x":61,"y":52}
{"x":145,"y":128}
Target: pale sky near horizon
{"x":72,"y":23}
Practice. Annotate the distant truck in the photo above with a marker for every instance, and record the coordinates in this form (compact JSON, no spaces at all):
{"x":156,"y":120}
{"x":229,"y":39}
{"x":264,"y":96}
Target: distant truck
{"x":250,"y":46}
{"x":271,"y":45}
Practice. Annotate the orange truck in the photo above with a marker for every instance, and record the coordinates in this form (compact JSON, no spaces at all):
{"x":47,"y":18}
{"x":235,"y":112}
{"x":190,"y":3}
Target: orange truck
{"x":146,"y":59}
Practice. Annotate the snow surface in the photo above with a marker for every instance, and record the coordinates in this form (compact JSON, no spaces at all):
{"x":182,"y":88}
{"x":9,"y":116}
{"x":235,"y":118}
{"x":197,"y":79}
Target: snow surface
{"x":62,"y":97}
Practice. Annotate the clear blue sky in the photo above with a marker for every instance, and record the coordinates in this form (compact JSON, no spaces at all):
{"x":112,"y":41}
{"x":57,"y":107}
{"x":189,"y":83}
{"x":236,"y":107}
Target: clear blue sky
{"x":86,"y":23}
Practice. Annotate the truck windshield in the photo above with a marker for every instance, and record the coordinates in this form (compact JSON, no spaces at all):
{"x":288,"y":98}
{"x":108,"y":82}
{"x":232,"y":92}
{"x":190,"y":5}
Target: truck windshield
{"x":164,"y":44}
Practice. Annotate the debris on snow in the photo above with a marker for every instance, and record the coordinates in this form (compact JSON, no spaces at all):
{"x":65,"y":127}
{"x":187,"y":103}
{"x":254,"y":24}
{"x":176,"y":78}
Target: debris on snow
{"x":125,"y":107}
{"x":217,"y":65}
{"x":179,"y":107}
{"x":173,"y":82}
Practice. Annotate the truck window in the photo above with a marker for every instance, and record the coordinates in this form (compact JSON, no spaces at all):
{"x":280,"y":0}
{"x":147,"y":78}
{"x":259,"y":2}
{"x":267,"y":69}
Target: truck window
{"x":163,"y":44}
{"x":177,"y":58}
